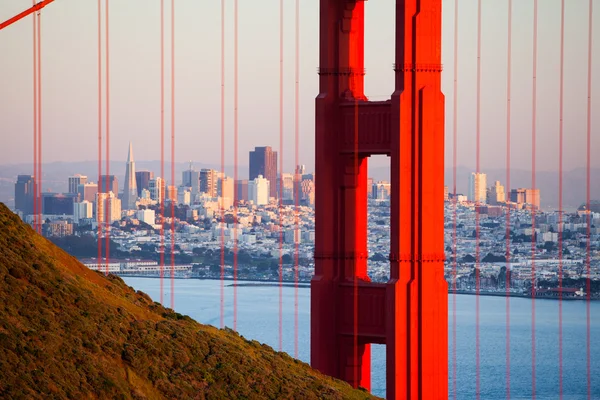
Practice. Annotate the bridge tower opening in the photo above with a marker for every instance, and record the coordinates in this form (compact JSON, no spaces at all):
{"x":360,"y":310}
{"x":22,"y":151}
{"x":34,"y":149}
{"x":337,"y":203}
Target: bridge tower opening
{"x":408,"y":313}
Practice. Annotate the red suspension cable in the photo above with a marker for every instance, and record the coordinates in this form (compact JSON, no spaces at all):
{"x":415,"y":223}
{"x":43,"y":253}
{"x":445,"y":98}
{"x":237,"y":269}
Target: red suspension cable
{"x":560,"y":199}
{"x":533,"y":184}
{"x":99,"y":198}
{"x":40,"y":209}
{"x":35,"y":116}
{"x":108,"y":207}
{"x":297,"y":178}
{"x":477,"y":184}
{"x":36,"y":7}
{"x":280,"y":203}
{"x":173,"y":197}
{"x":454,"y":200}
{"x":161,"y":188}
{"x":223,"y":162}
{"x":508,"y":272}
{"x":235,"y":163}
{"x":589,"y":215}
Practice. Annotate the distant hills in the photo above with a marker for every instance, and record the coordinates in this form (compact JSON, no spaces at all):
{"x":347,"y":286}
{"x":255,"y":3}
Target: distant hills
{"x":69,"y":332}
{"x":574,"y":181}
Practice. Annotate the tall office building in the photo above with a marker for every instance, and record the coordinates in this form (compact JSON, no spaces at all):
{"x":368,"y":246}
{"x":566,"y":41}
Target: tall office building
{"x":226,"y":187}
{"x":191,"y":179}
{"x":258,"y":190}
{"x":477,"y":188}
{"x":24,"y":194}
{"x":142,"y":181}
{"x":113,"y":184}
{"x":75,"y":181}
{"x":517,"y":196}
{"x":263,"y":161}
{"x":532,"y":196}
{"x":382,"y":190}
{"x":58,"y":203}
{"x":130,"y":187}
{"x":208,"y":182}
{"x":157,"y":189}
{"x":87,"y":192}
{"x":496,"y":194}
{"x":108,"y":208}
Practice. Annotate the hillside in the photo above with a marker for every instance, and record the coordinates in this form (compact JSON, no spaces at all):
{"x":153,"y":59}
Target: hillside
{"x":68,"y":332}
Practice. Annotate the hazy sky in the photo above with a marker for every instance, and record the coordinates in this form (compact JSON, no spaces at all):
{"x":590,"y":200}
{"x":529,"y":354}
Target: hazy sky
{"x":69,"y":64}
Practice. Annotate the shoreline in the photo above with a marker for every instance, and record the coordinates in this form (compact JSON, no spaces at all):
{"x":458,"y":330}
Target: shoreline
{"x":306,"y":285}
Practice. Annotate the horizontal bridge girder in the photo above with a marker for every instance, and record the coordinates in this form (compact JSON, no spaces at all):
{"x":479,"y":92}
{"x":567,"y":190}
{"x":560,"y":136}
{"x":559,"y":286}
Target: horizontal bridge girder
{"x":374,"y":127}
{"x":370,"y":314}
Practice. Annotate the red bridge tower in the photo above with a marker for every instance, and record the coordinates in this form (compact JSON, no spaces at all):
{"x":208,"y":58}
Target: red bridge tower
{"x":409,"y":313}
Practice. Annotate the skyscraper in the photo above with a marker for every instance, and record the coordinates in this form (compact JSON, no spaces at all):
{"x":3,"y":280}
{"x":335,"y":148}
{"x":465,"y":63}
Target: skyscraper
{"x":497,"y":194}
{"x":142,"y":180}
{"x":113,"y":184}
{"x":87,"y":192}
{"x":191,"y":179}
{"x":208,"y":182}
{"x":24,"y":194}
{"x":477,"y":188}
{"x":517,"y":196}
{"x":130,"y":189}
{"x":532,"y":196}
{"x":108,"y":208}
{"x":263,"y":161}
{"x":157,"y":189}
{"x":75,"y":181}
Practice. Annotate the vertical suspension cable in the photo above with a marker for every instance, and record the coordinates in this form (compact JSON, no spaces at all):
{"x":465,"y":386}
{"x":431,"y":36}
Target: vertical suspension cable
{"x":454,"y":200}
{"x":35,"y":115}
{"x":297,"y":178}
{"x":99,"y":198}
{"x":235,"y":162}
{"x":587,"y":200}
{"x":108,"y":207}
{"x":560,"y":199}
{"x":161,"y":188}
{"x":280,"y":202}
{"x":39,"y":123}
{"x":477,"y":184}
{"x":508,"y":271}
{"x":223,"y":163}
{"x":533,"y":210}
{"x":173,"y":197}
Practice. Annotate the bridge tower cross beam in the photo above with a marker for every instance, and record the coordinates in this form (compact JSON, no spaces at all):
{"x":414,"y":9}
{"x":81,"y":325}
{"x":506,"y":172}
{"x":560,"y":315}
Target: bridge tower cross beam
{"x":409,"y":312}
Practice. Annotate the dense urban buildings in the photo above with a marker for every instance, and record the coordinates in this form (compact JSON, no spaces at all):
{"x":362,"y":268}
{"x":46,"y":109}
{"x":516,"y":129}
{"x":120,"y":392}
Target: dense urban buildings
{"x":263,"y":161}
{"x":198,"y":225}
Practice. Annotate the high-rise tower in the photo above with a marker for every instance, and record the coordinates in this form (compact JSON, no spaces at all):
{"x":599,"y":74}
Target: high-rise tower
{"x":130,"y":188}
{"x":409,"y":313}
{"x":263,"y":161}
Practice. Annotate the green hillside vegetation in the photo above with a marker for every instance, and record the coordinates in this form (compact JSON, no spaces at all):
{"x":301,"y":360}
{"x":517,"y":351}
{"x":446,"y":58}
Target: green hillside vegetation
{"x":69,"y":332}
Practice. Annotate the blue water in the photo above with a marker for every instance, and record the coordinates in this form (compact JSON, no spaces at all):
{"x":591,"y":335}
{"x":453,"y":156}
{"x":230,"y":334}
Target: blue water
{"x":258,"y":318}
